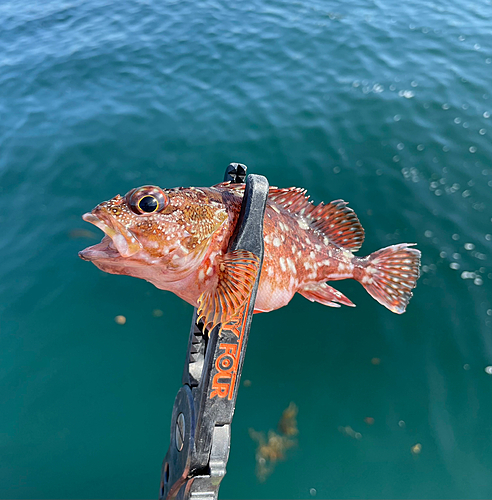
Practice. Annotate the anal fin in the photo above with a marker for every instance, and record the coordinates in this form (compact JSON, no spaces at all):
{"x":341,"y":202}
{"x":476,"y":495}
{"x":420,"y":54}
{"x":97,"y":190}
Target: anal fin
{"x":237,"y":273}
{"x":325,"y":294}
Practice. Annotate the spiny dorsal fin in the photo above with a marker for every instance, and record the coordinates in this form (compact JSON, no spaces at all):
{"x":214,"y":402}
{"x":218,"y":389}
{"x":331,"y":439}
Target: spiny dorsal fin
{"x":335,"y":220}
{"x":230,"y":185}
{"x":292,"y":199}
{"x":237,"y":273}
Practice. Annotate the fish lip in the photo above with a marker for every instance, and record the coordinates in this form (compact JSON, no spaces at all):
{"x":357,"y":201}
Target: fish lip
{"x":103,"y":250}
{"x":123,"y":239}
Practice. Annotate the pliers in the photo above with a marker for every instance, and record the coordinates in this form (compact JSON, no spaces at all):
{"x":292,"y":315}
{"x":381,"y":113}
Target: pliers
{"x":196,"y":460}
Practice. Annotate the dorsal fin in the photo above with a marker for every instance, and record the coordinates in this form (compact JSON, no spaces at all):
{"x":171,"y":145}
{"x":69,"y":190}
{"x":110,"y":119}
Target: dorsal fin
{"x":335,"y":220}
{"x":229,"y":185}
{"x":339,"y":223}
{"x":292,"y":199}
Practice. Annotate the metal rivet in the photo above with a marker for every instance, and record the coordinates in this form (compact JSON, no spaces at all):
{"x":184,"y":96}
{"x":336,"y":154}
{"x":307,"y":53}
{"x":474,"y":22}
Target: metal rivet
{"x":180,"y":431}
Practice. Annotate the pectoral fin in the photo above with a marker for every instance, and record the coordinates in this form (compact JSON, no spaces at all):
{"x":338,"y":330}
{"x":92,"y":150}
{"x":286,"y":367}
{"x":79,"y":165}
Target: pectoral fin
{"x":237,"y":273}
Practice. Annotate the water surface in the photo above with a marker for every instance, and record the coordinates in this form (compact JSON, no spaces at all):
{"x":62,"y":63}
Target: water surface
{"x":382,"y":103}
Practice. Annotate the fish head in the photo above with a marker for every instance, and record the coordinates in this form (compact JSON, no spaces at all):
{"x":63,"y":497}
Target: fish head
{"x":149,"y":226}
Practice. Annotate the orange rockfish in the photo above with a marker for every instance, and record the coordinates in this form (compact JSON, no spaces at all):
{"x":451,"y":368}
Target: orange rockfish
{"x":178,"y":239}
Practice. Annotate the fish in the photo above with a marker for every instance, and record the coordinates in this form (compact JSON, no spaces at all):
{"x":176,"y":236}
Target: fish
{"x":178,"y":239}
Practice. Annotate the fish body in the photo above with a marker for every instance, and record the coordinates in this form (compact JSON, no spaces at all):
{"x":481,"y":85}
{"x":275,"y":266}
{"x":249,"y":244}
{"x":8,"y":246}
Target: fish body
{"x":178,"y":240}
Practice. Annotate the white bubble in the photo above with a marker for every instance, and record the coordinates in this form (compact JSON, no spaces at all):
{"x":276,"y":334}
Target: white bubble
{"x":488,"y":370}
{"x":312,"y":492}
{"x":457,"y":120}
{"x":478,"y":281}
{"x":401,"y":423}
{"x":476,"y":46}
{"x":414,"y":84}
{"x":489,"y":312}
{"x":466,"y":366}
{"x":397,"y":118}
{"x":336,"y":170}
{"x":469,"y":246}
{"x":443,"y":254}
{"x":486,"y":114}
{"x":488,"y":60}
{"x":445,"y":106}
{"x":472,"y":149}
{"x":454,"y":265}
{"x":461,"y":38}
{"x":482,"y":131}
{"x":466,"y":125}
{"x":408,"y":94}
{"x":488,"y":237}
{"x":428,"y":234}
{"x":400,"y":146}
{"x":396,"y":158}
{"x":455,"y":237}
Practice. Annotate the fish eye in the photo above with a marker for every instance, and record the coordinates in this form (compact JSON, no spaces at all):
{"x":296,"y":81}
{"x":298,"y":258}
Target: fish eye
{"x":147,"y":200}
{"x":148,"y":204}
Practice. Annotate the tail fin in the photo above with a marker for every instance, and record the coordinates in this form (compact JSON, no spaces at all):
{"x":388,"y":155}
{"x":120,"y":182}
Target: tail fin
{"x":390,"y":274}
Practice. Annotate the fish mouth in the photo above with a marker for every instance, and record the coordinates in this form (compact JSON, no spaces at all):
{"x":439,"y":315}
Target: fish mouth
{"x":118,"y":242}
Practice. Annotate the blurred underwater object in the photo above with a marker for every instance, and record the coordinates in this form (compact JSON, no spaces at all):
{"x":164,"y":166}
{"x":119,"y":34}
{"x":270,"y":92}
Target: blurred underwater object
{"x":273,"y":446}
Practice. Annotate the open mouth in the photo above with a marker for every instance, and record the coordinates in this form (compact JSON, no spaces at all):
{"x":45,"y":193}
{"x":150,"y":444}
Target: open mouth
{"x":118,"y":242}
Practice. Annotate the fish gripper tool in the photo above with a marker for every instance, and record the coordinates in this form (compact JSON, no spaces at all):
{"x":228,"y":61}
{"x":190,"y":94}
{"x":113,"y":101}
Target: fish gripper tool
{"x":196,"y":460}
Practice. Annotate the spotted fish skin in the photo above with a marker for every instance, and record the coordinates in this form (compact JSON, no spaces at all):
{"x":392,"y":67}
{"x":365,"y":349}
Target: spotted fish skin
{"x":182,"y":247}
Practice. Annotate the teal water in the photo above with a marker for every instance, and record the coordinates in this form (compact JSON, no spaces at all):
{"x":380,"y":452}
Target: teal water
{"x":385,"y":104}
